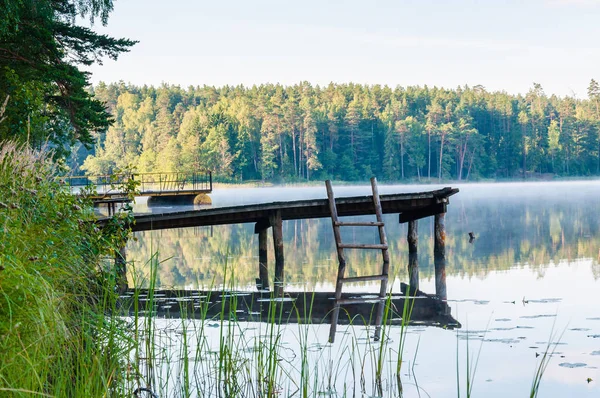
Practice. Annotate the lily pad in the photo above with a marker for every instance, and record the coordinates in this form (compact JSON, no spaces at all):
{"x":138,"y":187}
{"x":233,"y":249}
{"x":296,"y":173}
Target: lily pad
{"x":572,"y":365}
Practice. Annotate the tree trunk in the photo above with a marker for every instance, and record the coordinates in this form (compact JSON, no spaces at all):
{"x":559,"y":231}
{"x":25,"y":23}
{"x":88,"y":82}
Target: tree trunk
{"x":441,"y":157}
{"x":524,"y":154}
{"x":470,"y":164}
{"x":402,"y":156}
{"x":429,"y":154}
{"x":294,"y":150}
{"x":598,"y":165}
{"x":462,"y":158}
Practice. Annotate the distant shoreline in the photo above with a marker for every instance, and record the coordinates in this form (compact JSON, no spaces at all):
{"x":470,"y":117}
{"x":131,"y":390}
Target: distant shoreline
{"x":267,"y":184}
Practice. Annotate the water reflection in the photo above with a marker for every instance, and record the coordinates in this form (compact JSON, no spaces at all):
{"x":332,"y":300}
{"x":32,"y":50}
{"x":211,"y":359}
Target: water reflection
{"x":515,"y":226}
{"x":529,"y":278}
{"x":296,"y":307}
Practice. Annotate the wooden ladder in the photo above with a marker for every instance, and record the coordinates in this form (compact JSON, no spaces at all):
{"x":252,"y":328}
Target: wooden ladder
{"x":383,"y":246}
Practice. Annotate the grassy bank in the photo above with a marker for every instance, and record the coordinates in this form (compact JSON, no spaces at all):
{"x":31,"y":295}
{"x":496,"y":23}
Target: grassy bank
{"x":54,"y":337}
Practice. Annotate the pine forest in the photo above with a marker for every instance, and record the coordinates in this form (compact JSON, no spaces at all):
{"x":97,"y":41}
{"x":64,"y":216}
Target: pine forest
{"x":346,"y":132}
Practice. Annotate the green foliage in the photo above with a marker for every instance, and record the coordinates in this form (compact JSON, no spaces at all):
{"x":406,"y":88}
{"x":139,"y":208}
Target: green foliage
{"x":55,"y":338}
{"x":348,"y":132}
{"x":41,"y":51}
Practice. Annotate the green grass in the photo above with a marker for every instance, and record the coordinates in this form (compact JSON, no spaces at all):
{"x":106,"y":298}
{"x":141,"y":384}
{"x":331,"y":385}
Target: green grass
{"x":54,"y":337}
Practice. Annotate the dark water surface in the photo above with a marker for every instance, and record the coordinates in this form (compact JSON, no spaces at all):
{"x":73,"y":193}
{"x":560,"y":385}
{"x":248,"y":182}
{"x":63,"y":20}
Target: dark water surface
{"x":530,"y":276}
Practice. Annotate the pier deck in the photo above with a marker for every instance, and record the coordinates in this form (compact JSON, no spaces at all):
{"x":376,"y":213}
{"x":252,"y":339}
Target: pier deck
{"x":410,"y":206}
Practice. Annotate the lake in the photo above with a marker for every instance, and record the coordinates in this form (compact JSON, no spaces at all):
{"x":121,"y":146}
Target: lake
{"x":530,"y":277}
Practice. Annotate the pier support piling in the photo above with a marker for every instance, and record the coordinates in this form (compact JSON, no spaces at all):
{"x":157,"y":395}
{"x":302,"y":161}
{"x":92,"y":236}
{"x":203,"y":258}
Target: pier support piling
{"x":277,"y":225}
{"x":263,"y":266}
{"x":413,"y":261}
{"x":439,"y":254}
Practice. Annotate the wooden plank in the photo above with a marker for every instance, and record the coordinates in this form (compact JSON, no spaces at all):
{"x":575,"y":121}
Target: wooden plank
{"x":365,"y":278}
{"x":359,"y":224}
{"x":363,"y":246}
{"x":360,"y":301}
{"x":431,"y":210}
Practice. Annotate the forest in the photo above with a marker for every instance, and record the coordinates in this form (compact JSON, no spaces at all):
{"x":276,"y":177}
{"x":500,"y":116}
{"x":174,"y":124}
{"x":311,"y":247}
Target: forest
{"x":345,"y":132}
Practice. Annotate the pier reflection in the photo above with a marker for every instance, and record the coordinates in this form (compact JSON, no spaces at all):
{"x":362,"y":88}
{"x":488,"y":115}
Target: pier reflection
{"x":294,"y":307}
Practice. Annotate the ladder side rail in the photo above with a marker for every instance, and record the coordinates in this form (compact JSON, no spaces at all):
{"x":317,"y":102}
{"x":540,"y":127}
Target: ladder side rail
{"x":386,"y":258}
{"x":341,"y":259}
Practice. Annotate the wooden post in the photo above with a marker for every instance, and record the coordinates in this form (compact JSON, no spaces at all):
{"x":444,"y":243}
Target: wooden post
{"x":277,"y":225}
{"x":263,"y":267}
{"x":121,"y":269}
{"x":413,"y":260}
{"x":439,"y":254}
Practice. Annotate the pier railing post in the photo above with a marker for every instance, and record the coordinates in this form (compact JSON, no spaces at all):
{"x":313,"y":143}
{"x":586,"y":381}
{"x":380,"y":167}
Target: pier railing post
{"x":439,"y":254}
{"x":277,"y":225}
{"x":413,"y":260}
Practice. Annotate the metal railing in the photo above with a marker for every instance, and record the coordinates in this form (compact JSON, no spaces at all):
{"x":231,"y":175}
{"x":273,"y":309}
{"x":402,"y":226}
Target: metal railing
{"x":148,"y":183}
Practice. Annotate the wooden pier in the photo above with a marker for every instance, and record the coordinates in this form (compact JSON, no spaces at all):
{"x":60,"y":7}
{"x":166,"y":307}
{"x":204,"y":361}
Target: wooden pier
{"x":410,"y":206}
{"x":110,"y":191}
{"x":105,"y":187}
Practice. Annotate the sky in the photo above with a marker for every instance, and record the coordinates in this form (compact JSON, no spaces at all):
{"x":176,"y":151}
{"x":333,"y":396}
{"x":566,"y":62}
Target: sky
{"x":500,"y":44}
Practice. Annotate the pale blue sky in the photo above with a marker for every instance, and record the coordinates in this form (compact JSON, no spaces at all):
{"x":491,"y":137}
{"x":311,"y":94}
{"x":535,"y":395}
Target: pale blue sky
{"x":503,"y":45}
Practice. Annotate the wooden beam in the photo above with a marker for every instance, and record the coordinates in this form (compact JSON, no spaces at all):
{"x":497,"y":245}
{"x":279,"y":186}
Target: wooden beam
{"x":262,"y":225}
{"x":417,"y":214}
{"x":276,"y":222}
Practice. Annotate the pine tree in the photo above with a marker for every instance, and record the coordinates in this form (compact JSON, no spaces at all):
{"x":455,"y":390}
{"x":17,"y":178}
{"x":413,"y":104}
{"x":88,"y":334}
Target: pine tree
{"x":41,"y":52}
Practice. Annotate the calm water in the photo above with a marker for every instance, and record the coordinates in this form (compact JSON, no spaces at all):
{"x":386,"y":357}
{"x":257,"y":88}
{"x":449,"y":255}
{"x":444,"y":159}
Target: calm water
{"x":532,"y":271}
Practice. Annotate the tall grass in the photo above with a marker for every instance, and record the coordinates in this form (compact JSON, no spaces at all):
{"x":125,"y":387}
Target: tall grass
{"x":280,"y":354}
{"x":54,"y":337}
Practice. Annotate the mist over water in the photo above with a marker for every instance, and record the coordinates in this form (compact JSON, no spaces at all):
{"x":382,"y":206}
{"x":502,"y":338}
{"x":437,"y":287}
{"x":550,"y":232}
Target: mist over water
{"x":533,"y":270}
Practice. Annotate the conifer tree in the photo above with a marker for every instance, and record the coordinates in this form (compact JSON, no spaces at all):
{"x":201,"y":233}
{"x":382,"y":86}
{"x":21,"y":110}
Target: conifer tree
{"x":42,"y":51}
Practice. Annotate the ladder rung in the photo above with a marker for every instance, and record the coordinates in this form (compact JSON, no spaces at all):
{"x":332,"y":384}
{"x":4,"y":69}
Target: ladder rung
{"x":359,"y":224}
{"x":362,"y":246}
{"x":365,"y":278}
{"x":359,"y":300}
